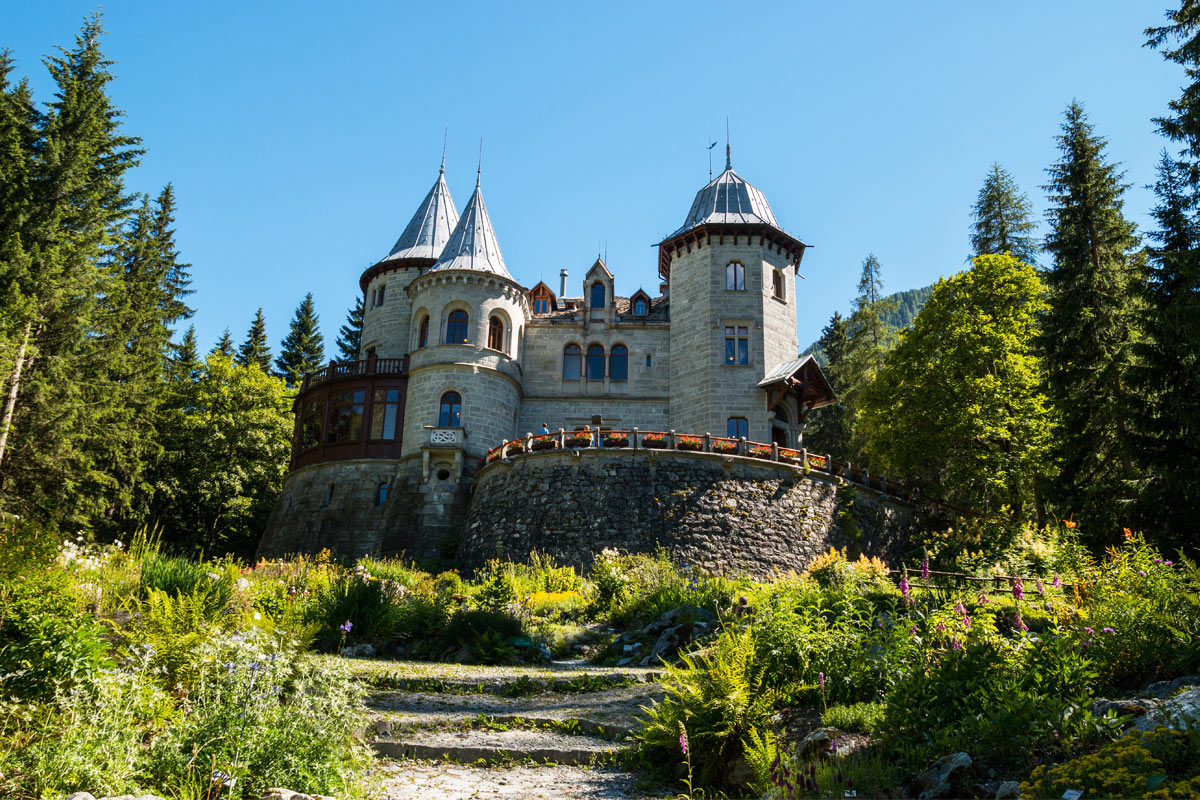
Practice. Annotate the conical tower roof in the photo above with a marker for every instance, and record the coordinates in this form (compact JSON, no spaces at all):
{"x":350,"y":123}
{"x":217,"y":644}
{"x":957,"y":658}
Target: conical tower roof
{"x":429,"y":229}
{"x":729,"y":199}
{"x":472,"y":244}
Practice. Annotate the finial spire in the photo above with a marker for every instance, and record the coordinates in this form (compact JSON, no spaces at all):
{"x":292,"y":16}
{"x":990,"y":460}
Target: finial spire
{"x":445,"y":137}
{"x":710,"y":148}
{"x":479,"y":170}
{"x":728,"y":160}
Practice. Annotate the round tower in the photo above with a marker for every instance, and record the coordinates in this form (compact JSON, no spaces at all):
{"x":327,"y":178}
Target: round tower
{"x":468,"y":320}
{"x":731,"y":271}
{"x":387,"y":310}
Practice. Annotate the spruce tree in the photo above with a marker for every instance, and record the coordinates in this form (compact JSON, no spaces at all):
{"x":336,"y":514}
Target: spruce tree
{"x":1003,"y":219}
{"x":303,"y":350}
{"x":1089,"y":328}
{"x":350,"y":336}
{"x":869,"y":338}
{"x":224,"y":345}
{"x":1166,"y":416}
{"x":186,"y":359}
{"x":829,"y":431}
{"x":255,"y":350}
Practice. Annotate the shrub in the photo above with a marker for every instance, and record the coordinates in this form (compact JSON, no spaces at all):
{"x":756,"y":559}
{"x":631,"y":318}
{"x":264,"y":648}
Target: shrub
{"x":487,"y":633}
{"x":857,"y":717}
{"x":171,"y":629}
{"x":52,"y":653}
{"x":370,"y":605}
{"x":174,"y":575}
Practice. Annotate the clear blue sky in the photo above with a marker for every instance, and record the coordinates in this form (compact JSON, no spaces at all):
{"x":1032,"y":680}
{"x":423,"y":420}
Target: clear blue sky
{"x":300,"y":136}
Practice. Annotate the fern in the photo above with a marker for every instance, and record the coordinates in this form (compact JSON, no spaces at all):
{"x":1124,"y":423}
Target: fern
{"x":171,"y":628}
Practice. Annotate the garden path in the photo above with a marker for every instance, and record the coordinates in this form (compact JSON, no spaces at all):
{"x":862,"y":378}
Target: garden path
{"x":447,"y":731}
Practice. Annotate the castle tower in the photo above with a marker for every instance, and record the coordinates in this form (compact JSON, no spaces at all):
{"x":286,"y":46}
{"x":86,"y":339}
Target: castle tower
{"x":731,"y":271}
{"x":464,"y":385}
{"x":387,"y":310}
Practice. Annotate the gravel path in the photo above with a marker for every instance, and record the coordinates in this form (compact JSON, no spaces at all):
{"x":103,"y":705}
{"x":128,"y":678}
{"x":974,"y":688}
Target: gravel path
{"x":426,"y":780}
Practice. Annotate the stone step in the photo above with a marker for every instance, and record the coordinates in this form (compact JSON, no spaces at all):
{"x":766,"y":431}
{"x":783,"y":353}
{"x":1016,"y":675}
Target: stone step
{"x":514,"y":686}
{"x":610,"y":729}
{"x":516,"y":744}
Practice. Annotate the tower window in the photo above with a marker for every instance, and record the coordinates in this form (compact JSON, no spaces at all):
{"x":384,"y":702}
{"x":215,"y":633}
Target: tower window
{"x":381,"y":494}
{"x":735,"y":277}
{"x":374,"y":292}
{"x":450,"y":415}
{"x":572,"y":357}
{"x":598,"y":295}
{"x":595,"y":362}
{"x":385,"y":407}
{"x":313,"y":424}
{"x":328,"y":497}
{"x":496,"y":334}
{"x":379,"y":300}
{"x":737,"y":345}
{"x":639,"y":308}
{"x":618,"y":363}
{"x":778,"y":284}
{"x":423,"y":332}
{"x":648,"y":361}
{"x":737,"y":428}
{"x":456,"y":327}
{"x":346,"y":416}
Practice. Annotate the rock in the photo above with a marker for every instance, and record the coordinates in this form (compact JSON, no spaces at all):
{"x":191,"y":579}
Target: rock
{"x":80,"y":796}
{"x":1166,"y":688}
{"x":1009,"y":790}
{"x":119,"y":797}
{"x":818,"y":742}
{"x":1174,"y":713}
{"x":672,"y":639}
{"x":383,"y":727}
{"x":1123,"y":708}
{"x":358,"y":651}
{"x":671,"y":618}
{"x":285,"y":794}
{"x":148,"y":797}
{"x":944,"y":778}
{"x":624,"y":662}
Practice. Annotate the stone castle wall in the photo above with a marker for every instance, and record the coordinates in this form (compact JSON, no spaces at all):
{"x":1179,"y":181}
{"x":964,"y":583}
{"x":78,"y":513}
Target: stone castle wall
{"x":722,"y":513}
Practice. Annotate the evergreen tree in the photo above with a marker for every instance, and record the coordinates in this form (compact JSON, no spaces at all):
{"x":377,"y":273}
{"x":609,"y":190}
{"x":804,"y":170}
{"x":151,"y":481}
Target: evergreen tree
{"x":224,"y":345}
{"x":350,"y":336}
{"x":829,"y":431}
{"x":255,"y":350}
{"x":186,"y":361}
{"x":1089,"y":328}
{"x":958,"y":404}
{"x":1166,"y":417}
{"x":303,"y":350}
{"x":869,"y":338}
{"x":1003,"y":219}
{"x":55,"y":464}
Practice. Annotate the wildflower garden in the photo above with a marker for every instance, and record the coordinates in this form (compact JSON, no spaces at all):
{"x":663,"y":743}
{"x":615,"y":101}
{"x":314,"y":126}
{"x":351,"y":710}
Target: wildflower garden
{"x":126,"y":669}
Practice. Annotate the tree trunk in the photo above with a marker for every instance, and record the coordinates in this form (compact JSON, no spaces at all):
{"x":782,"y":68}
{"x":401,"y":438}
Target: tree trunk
{"x":13,"y":388}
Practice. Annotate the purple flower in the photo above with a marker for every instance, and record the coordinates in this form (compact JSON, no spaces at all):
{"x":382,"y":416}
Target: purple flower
{"x":1158,"y":561}
{"x":346,"y":626}
{"x":904,"y":587}
{"x":960,"y":609}
{"x":1040,"y":588}
{"x":1057,"y":582}
{"x":1142,"y":573}
{"x":983,"y":599}
{"x":821,"y":678}
{"x":683,"y":742}
{"x":941,"y":628}
{"x":925,"y":568}
{"x":1018,"y":590}
{"x":1019,"y":623}
{"x":967,"y":623}
{"x":1168,"y":563}
{"x":1089,"y":630}
{"x":955,"y":644}
{"x":912,"y":630}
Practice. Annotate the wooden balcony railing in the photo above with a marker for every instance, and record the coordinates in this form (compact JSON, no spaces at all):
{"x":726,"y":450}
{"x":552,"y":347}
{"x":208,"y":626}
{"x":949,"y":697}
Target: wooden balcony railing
{"x":339,"y":370}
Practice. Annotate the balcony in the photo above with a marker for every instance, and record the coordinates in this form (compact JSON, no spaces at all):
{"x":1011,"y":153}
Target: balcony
{"x":450,"y":438}
{"x":343,"y":370}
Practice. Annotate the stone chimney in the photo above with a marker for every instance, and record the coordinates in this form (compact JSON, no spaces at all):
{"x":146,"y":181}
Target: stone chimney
{"x":562,"y":282}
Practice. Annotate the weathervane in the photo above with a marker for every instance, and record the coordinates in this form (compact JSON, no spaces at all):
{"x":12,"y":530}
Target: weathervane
{"x":710,"y":147}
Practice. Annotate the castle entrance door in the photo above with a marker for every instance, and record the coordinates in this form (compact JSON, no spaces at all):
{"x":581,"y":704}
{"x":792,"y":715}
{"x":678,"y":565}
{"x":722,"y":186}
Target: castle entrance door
{"x":779,"y":436}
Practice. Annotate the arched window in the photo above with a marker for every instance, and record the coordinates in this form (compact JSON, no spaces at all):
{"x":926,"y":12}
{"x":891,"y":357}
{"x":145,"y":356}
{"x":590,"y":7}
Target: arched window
{"x":423,"y":332}
{"x":381,"y":495}
{"x":639,"y":307}
{"x":456,"y":327}
{"x":572,"y":356}
{"x":450,"y":415}
{"x":598,"y":295}
{"x":735,"y":277}
{"x":496,"y":334}
{"x":737,"y":428}
{"x":618,"y":363}
{"x":595,"y":362}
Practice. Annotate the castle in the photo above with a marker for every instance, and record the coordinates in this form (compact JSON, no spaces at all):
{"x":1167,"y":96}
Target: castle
{"x":458,"y":358}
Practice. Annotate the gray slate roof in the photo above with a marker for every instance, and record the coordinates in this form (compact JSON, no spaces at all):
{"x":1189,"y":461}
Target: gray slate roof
{"x":472,"y":244}
{"x":785,"y":370}
{"x":429,"y":229}
{"x":729,"y":198}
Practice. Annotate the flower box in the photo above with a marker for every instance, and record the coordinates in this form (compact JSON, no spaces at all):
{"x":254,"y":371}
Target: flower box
{"x":760,"y":452}
{"x":789,"y":456}
{"x":691,"y":443}
{"x":727,"y":448}
{"x":492,"y":456}
{"x":654,"y":441}
{"x":616,"y":440}
{"x":546,"y":443}
{"x":515,"y":448}
{"x":579,"y":440}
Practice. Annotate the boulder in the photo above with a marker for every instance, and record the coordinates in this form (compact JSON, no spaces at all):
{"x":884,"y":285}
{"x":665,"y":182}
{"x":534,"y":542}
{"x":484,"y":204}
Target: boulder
{"x":1166,"y":688}
{"x":1123,"y":708}
{"x":944,"y":778}
{"x":359,"y":651}
{"x":1009,"y":790}
{"x":285,"y":794}
{"x":818,"y":743}
{"x":80,"y":796}
{"x":672,"y":618}
{"x":1176,"y":712}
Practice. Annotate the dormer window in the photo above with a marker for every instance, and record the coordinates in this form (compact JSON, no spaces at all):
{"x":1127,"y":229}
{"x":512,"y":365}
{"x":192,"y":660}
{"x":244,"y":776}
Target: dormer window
{"x":639,"y":307}
{"x":541,"y":305}
{"x":599,"y":295}
{"x":639,"y":304}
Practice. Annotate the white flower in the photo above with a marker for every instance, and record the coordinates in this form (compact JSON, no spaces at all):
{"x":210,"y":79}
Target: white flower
{"x":257,"y":616}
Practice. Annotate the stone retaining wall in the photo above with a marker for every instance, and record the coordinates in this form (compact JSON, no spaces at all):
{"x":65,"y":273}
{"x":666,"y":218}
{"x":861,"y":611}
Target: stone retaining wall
{"x":723,"y":513}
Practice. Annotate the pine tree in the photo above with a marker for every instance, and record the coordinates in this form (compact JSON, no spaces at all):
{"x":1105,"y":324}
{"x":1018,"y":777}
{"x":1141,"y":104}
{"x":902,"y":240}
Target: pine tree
{"x":186,"y":360}
{"x":350,"y":336}
{"x":1166,"y":418}
{"x":303,"y":351}
{"x":829,"y":431}
{"x":869,"y":338}
{"x":1003,"y":219}
{"x":177,"y":277}
{"x":1089,"y":329}
{"x":255,"y":350}
{"x":224,"y":345}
